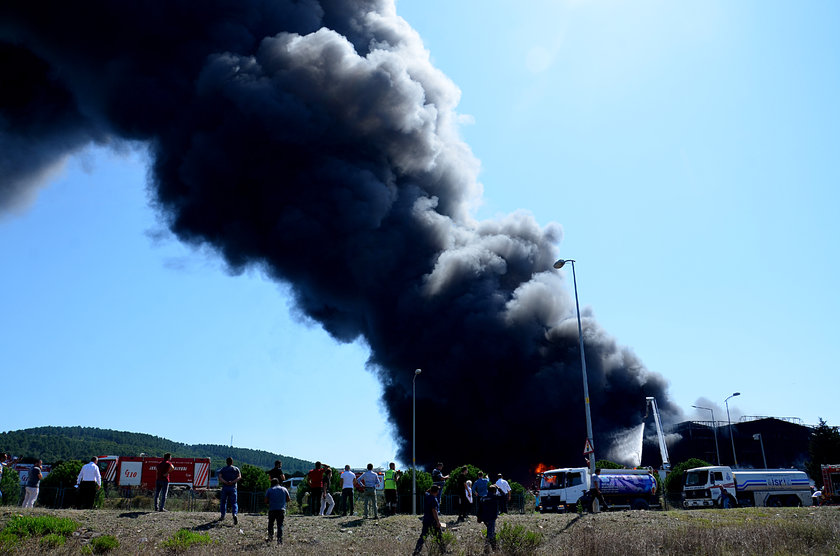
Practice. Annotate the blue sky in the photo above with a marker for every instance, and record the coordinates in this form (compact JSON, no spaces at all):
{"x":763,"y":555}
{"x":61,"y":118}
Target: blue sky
{"x":689,"y":150}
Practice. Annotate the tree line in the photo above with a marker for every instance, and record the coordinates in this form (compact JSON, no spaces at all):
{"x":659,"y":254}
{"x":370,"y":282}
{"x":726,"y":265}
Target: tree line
{"x":57,"y":444}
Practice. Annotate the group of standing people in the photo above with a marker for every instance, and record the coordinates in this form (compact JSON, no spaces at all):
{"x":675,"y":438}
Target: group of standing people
{"x":469,"y":494}
{"x":319,"y":480}
{"x":88,"y":482}
{"x":491,"y":500}
{"x":489,"y":507}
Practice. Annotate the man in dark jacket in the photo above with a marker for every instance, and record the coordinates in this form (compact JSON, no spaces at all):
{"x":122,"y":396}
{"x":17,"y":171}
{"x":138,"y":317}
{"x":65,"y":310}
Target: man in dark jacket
{"x":431,"y":519}
{"x":488,"y":510}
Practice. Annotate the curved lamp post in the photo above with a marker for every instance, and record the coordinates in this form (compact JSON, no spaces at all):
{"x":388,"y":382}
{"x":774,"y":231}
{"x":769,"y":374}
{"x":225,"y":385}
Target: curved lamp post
{"x":732,"y":438}
{"x":413,"y":443}
{"x":714,"y":425}
{"x":558,"y":265}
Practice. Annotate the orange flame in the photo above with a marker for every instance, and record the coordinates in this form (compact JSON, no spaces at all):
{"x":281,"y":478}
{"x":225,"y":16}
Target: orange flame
{"x":542,"y":467}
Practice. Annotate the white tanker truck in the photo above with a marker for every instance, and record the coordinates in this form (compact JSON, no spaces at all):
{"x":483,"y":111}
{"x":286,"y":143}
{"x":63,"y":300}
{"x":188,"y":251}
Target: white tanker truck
{"x":621,"y":489}
{"x":721,"y":486}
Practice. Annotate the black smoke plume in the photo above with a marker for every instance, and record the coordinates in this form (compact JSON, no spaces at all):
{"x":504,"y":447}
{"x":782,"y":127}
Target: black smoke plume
{"x":316,"y":141}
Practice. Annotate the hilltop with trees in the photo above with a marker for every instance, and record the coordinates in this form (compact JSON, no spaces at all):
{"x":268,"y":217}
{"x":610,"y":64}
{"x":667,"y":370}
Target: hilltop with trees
{"x":56,"y":444}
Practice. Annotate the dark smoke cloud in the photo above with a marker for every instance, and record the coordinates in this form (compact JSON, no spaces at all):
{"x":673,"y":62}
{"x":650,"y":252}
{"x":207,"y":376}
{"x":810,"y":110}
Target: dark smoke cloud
{"x":316,"y":141}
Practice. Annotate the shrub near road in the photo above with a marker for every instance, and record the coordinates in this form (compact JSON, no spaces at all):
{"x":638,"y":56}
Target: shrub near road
{"x":737,"y":531}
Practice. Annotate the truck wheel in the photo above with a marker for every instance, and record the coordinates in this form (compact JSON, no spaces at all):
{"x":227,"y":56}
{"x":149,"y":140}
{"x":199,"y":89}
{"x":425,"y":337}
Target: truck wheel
{"x":640,"y":504}
{"x":774,"y":502}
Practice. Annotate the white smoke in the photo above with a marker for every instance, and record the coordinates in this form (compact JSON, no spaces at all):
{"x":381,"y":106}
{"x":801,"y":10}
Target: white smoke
{"x":627,"y":446}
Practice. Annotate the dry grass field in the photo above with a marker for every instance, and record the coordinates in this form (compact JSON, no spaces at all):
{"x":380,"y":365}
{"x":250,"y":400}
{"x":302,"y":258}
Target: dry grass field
{"x":738,"y":531}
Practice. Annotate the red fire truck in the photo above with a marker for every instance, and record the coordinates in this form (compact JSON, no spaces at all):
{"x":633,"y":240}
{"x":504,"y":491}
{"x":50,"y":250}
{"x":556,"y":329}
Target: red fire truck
{"x":23,"y":471}
{"x":831,"y":484}
{"x":141,"y":471}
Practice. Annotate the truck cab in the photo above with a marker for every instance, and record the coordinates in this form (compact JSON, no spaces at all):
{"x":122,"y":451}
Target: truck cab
{"x":560,"y":489}
{"x":704,"y":487}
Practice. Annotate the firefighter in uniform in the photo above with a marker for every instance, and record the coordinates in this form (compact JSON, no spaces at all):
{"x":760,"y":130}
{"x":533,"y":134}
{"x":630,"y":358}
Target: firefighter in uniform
{"x":391,"y":476}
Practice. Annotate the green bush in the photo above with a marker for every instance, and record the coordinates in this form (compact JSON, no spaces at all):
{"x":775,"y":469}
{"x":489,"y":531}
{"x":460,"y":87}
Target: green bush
{"x":516,"y":489}
{"x":435,"y":548}
{"x":254,"y":479}
{"x":103,"y":544}
{"x":674,"y":480}
{"x":63,"y":475}
{"x":184,"y":539}
{"x":8,"y":541}
{"x":516,"y":540}
{"x":53,"y":540}
{"x":607,"y":464}
{"x":424,"y":481}
{"x":38,"y":526}
{"x":10,"y":486}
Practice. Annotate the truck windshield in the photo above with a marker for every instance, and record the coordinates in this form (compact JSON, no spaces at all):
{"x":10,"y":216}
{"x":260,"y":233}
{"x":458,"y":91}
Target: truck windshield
{"x":696,"y":478}
{"x":552,"y":481}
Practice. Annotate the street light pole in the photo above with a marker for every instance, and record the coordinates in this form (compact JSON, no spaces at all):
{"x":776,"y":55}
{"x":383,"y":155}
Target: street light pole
{"x":758,"y":437}
{"x":729,"y":420}
{"x":558,"y":265}
{"x":414,"y":443}
{"x":714,"y":428}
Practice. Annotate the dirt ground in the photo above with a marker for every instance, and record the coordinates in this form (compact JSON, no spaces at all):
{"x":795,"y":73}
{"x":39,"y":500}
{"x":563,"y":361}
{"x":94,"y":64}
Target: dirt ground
{"x":738,"y":531}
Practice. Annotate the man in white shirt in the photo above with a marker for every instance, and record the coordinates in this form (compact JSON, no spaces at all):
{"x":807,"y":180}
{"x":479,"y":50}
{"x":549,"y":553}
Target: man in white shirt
{"x":88,"y":482}
{"x":348,"y":480}
{"x":504,"y":489}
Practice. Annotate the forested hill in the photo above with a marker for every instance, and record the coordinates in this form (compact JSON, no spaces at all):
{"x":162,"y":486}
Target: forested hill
{"x":52,"y":444}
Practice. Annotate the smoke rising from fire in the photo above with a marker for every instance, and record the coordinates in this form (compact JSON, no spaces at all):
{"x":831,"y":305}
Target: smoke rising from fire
{"x":316,"y":141}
